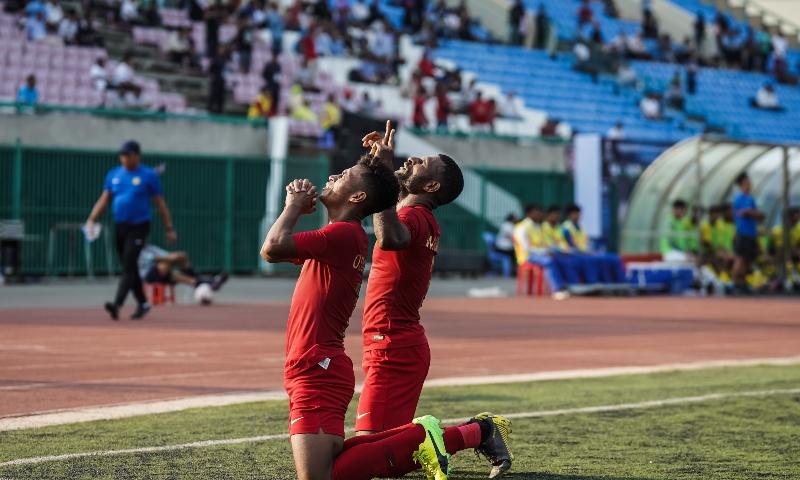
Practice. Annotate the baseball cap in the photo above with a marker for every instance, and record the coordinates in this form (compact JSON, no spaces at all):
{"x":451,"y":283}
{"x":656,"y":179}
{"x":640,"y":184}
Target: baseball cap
{"x":131,"y":146}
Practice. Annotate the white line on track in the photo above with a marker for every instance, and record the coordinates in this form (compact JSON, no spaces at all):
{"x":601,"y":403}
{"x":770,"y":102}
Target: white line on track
{"x":108,"y":412}
{"x":543,"y":413}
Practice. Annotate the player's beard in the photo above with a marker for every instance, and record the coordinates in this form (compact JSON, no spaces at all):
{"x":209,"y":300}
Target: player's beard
{"x":409,"y":183}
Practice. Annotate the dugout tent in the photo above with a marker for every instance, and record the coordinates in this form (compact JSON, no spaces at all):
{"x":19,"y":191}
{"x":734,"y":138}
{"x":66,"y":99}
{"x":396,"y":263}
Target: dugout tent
{"x":702,"y":171}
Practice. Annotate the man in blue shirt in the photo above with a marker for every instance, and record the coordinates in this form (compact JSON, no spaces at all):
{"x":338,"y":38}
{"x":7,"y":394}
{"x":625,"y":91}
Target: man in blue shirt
{"x":745,"y":245}
{"x":129,"y":189}
{"x":28,"y":94}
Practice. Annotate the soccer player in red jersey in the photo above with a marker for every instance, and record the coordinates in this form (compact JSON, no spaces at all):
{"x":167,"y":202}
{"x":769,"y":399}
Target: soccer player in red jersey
{"x":396,"y":353}
{"x":318,"y":375}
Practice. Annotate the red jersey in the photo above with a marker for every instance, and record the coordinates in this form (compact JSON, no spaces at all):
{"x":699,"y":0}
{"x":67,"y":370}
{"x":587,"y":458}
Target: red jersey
{"x":326,"y":293}
{"x":398,"y":283}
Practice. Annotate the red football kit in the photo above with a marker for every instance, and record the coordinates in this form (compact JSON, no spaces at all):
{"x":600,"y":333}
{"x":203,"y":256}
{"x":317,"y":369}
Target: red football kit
{"x":396,"y":353}
{"x":318,"y":375}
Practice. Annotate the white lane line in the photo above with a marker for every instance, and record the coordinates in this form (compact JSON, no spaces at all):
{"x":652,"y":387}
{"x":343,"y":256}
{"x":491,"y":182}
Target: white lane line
{"x":106,"y":412}
{"x":543,"y":413}
{"x":607,"y":371}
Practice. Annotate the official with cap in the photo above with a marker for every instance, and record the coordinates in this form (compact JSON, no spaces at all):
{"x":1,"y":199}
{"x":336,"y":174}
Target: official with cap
{"x":129,"y":189}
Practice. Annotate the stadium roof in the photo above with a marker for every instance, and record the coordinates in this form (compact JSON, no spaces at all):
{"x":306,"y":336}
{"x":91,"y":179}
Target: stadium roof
{"x":674,"y":175}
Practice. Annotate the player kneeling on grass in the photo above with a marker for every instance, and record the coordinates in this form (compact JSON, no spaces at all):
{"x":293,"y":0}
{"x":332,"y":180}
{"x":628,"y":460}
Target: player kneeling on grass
{"x":318,"y":375}
{"x":396,"y":353}
{"x":157,"y":265}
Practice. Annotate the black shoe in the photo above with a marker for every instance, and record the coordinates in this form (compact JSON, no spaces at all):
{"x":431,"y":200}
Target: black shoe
{"x":112,"y":310}
{"x":141,"y":311}
{"x":495,"y":448}
{"x":218,"y":281}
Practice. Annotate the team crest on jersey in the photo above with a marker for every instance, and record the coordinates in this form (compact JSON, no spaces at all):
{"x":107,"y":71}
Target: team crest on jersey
{"x":136,"y":180}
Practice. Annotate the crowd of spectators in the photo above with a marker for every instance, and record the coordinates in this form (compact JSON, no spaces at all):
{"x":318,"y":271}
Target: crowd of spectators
{"x":48,"y":22}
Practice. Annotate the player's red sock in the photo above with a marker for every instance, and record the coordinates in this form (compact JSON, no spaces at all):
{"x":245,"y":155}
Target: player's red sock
{"x":462,"y":437}
{"x":362,"y":439}
{"x":389,"y":456}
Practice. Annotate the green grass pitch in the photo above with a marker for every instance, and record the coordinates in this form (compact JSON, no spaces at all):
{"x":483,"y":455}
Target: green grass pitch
{"x":729,"y":438}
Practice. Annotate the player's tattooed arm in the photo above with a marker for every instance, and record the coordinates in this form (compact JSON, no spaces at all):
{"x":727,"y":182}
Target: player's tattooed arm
{"x":301,"y":199}
{"x":390,"y":233}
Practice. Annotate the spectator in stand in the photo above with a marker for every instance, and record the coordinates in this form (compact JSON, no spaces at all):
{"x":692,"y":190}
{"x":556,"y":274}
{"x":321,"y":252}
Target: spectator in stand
{"x":213,"y":17}
{"x":419,"y":119}
{"x":298,"y":105}
{"x":745,"y":245}
{"x":368,"y":106}
{"x":699,"y":32}
{"x":53,"y":14}
{"x":87,"y":32}
{"x":618,"y":45}
{"x":33,"y":7}
{"x":481,"y":114}
{"x":767,"y":99}
{"x":611,"y":8}
{"x":443,"y":107}
{"x":731,"y":44}
{"x":216,"y":80}
{"x":514,"y":21}
{"x":549,"y":128}
{"x":338,"y":47}
{"x":636,"y":47}
{"x":779,"y":46}
{"x":180,"y":47}
{"x":651,"y":107}
{"x":665,"y":48}
{"x":28,"y":94}
{"x":691,"y":75}
{"x":509,"y":107}
{"x":468,"y":94}
{"x":542,"y":24}
{"x":626,"y":77}
{"x":148,"y":13}
{"x":99,"y":75}
{"x":426,"y":66}
{"x":307,"y":78}
{"x":596,"y":36}
{"x":262,"y":105}
{"x":650,"y":27}
{"x":331,"y":118}
{"x":323,"y":41}
{"x":426,"y":37}
{"x":135,"y":100}
{"x":35,"y":28}
{"x":271,"y":75}
{"x":359,"y":13}
{"x":674,"y":94}
{"x":68,"y":28}
{"x":616,"y":132}
{"x":504,"y":241}
{"x":244,"y":45}
{"x":349,"y":102}
{"x":464,"y":30}
{"x":128,"y":12}
{"x":123,"y":73}
{"x":585,"y":14}
{"x":383,"y":46}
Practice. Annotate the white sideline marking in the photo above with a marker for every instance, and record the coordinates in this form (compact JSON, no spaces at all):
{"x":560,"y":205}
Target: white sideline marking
{"x":543,"y":413}
{"x":108,"y":412}
{"x":606,"y":372}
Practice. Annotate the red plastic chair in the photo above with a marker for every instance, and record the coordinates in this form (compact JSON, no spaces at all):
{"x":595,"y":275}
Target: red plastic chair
{"x":159,"y":293}
{"x":525,"y":275}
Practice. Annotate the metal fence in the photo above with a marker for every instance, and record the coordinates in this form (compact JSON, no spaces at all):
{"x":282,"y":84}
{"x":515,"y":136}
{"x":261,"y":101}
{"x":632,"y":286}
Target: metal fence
{"x":218,"y":205}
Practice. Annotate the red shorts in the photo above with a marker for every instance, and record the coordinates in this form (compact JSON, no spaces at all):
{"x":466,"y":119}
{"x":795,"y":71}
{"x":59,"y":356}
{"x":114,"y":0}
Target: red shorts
{"x":392,"y":387}
{"x":318,"y":397}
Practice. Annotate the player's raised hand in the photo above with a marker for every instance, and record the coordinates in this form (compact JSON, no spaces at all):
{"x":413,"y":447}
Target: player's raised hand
{"x":303,"y":195}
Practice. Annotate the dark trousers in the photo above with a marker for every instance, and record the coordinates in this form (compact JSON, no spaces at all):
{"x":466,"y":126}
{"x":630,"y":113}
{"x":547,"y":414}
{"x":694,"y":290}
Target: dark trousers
{"x":131,"y":239}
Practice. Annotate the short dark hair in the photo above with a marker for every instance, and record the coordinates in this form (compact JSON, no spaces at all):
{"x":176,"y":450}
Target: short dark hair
{"x":451,"y":181}
{"x":380,"y":184}
{"x":553,"y":209}
{"x":531,"y":207}
{"x":679,"y":204}
{"x":741,"y":178}
{"x":572,"y":208}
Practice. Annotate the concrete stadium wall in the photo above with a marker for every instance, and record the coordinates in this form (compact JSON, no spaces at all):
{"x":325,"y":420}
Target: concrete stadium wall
{"x":502,"y":154}
{"x":85,"y":131}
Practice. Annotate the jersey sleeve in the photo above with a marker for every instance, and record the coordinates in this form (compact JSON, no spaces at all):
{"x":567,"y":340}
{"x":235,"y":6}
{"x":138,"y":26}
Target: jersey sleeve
{"x":154,"y":185}
{"x":410,"y":219}
{"x":107,"y":182}
{"x":328,"y":245}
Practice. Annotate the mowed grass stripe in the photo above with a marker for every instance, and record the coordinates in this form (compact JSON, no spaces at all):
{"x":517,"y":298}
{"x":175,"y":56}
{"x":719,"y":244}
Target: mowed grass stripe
{"x":594,"y":409}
